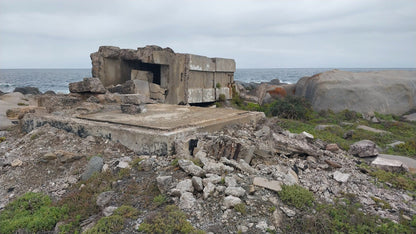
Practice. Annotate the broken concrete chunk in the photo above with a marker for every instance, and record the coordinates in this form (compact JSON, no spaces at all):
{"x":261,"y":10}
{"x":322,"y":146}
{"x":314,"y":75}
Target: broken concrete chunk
{"x":341,"y":177}
{"x":157,"y":92}
{"x":389,"y":164}
{"x":268,"y":184}
{"x":132,"y":109}
{"x":88,"y":85}
{"x":190,"y":168}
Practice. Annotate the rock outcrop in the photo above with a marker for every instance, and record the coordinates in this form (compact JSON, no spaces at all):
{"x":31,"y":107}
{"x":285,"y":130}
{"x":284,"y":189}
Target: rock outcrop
{"x":386,"y":92}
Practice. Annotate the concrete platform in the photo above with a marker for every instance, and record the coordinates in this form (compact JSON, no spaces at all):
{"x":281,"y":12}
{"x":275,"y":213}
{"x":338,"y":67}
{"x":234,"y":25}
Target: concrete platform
{"x":153,"y":132}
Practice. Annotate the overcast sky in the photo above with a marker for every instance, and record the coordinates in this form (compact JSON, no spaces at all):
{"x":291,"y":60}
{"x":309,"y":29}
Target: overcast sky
{"x":257,"y":33}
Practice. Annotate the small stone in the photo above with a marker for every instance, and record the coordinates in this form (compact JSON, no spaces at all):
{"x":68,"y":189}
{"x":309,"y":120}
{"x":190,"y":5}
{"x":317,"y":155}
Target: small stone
{"x":185,"y":186}
{"x":197,"y":183}
{"x":123,"y":164}
{"x":262,"y":225}
{"x":269,"y":184}
{"x":287,"y":211}
{"x":311,"y":159}
{"x":348,"y":134}
{"x":109,"y":210}
{"x":230,"y":181}
{"x":49,"y":156}
{"x":341,"y":177}
{"x":16,"y":163}
{"x":332,"y":147}
{"x":164,"y":183}
{"x":190,"y":168}
{"x":132,"y":109}
{"x":187,"y":201}
{"x":235,"y":191}
{"x":209,"y":188}
{"x":212,"y":178}
{"x":242,"y":229}
{"x":251,"y":189}
{"x":104,"y":198}
{"x":230,"y":201}
{"x":332,"y":163}
{"x":307,"y":135}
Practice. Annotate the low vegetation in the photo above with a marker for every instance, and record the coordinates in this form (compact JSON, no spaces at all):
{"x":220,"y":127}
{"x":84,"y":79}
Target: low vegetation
{"x":296,"y":115}
{"x":345,"y":216}
{"x":297,"y":196}
{"x":168,"y":220}
{"x":32,"y":212}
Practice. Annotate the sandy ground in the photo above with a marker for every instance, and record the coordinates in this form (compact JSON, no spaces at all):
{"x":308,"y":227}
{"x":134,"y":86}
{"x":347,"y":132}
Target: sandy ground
{"x":10,"y":101}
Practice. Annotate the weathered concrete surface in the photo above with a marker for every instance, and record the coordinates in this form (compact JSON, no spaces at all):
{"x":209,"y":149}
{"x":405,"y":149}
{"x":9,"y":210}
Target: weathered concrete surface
{"x":187,"y":78}
{"x":409,"y":162}
{"x":153,"y":132}
{"x":386,"y":92}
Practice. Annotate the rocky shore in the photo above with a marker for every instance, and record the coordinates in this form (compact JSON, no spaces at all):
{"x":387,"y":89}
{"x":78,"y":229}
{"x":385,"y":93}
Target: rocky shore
{"x":253,"y":177}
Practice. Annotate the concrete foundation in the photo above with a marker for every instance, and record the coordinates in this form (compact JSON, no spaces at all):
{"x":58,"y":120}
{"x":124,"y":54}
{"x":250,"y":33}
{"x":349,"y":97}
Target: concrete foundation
{"x":150,"y":133}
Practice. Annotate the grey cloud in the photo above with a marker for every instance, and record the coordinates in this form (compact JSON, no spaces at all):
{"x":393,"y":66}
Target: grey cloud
{"x":256,"y":33}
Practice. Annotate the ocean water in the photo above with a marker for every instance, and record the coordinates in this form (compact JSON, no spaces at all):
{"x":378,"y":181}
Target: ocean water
{"x":58,"y":79}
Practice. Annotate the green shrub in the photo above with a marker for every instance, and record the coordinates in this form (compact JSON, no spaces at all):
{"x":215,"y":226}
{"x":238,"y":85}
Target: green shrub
{"x":241,"y":208}
{"x":169,"y":220}
{"x":290,"y":107}
{"x":32,"y":212}
{"x":127,"y":212}
{"x":222,"y":98}
{"x":159,"y":200}
{"x":2,"y":139}
{"x":297,"y":196}
{"x":218,"y":86}
{"x":110,"y":224}
{"x":22,"y":104}
{"x":398,"y":180}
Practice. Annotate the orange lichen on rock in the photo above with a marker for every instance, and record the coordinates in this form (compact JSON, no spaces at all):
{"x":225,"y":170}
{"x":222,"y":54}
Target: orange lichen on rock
{"x":278,"y":92}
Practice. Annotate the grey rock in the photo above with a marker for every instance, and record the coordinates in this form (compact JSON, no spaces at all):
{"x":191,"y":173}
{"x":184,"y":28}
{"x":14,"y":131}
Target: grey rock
{"x":396,"y":143}
{"x":187,"y":201}
{"x":287,"y":211}
{"x":217,"y":168}
{"x":104,"y":198}
{"x":190,"y":168}
{"x":268,"y":184}
{"x":321,"y":127}
{"x":235,"y":191}
{"x":185,"y":186}
{"x":208,"y":190}
{"x":164,"y":183}
{"x":332,"y":147}
{"x":307,"y":135}
{"x":94,"y":165}
{"x":341,"y":177}
{"x":370,"y":129}
{"x":109,"y":210}
{"x":27,"y":90}
{"x":364,"y":148}
{"x":197,"y":183}
{"x":211,"y":178}
{"x":88,"y":85}
{"x":231,"y":201}
{"x":230,"y":181}
{"x":264,"y":131}
{"x":410,"y":117}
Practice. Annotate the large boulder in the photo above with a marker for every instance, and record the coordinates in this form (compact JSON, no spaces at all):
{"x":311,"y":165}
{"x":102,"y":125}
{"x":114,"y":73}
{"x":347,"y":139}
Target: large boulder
{"x":386,"y":92}
{"x":88,"y":85}
{"x":364,"y":148}
{"x":27,"y":90}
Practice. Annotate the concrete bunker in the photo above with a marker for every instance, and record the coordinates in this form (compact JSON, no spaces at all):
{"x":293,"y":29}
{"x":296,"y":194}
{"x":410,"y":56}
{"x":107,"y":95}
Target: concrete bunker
{"x":164,"y":75}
